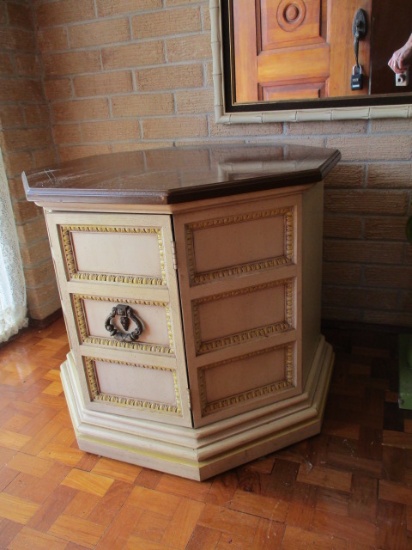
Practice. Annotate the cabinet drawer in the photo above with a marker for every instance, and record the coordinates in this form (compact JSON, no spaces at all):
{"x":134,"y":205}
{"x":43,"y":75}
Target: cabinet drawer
{"x":239,"y":251}
{"x":120,"y":298}
{"x":94,"y":317}
{"x":121,"y":254}
{"x":118,"y":253}
{"x":132,"y":388}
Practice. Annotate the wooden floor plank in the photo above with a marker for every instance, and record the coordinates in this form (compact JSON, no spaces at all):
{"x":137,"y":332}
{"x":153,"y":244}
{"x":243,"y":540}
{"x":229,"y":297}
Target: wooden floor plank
{"x":348,"y":488}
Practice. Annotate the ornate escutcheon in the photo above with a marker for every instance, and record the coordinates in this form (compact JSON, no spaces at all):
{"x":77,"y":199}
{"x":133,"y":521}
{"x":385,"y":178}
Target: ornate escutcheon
{"x":126,"y":315}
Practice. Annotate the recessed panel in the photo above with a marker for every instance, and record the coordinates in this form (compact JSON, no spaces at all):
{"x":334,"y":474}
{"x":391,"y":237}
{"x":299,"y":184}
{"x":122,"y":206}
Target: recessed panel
{"x":234,"y":245}
{"x":243,"y":315}
{"x":133,"y":385}
{"x":96,"y":315}
{"x":286,"y":21}
{"x":243,"y":380}
{"x":132,"y":255}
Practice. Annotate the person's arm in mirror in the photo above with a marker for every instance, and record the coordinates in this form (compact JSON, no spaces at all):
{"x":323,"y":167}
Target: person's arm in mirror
{"x":402,"y":58}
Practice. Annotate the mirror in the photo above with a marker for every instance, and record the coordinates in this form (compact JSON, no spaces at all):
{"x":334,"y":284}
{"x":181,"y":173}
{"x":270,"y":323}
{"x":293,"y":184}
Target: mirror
{"x":296,"y":60}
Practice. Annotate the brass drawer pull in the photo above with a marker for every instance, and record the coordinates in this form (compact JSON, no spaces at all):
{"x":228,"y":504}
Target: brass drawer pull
{"x":126,"y":315}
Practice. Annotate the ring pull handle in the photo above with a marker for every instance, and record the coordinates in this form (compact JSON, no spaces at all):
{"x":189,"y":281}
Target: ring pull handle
{"x":126,"y":315}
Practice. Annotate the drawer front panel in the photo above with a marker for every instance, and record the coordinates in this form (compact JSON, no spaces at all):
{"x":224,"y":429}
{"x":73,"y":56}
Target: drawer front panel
{"x":92,"y":313}
{"x":243,"y":315}
{"x":134,"y":387}
{"x":255,"y":378}
{"x":120,"y":298}
{"x":121,"y":254}
{"x":239,"y":250}
{"x":121,"y":249}
{"x":240,"y":283}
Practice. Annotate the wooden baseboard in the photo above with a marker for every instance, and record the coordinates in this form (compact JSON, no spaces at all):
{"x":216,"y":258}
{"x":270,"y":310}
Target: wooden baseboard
{"x":47,"y":321}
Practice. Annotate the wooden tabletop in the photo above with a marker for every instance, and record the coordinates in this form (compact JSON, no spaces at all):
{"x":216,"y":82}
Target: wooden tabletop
{"x":176,"y":175}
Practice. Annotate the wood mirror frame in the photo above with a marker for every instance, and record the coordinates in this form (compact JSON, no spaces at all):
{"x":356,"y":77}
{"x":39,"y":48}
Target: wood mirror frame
{"x":227,"y":111}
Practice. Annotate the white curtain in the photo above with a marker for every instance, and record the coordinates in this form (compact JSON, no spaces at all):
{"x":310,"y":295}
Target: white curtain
{"x":13,"y":306}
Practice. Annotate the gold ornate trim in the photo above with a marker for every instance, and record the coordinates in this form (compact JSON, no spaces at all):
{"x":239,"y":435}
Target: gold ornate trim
{"x":97,"y":396}
{"x":247,"y":335}
{"x":87,"y":338}
{"x":70,"y":258}
{"x":256,"y":393}
{"x":197,"y":278}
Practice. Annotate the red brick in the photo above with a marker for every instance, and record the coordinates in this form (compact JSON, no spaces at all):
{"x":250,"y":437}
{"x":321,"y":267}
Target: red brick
{"x":6,"y":66}
{"x":116,"y":7}
{"x":194,"y":103}
{"x":390,"y":229}
{"x":67,"y":133}
{"x":26,"y":138}
{"x":103,"y":83}
{"x":170,"y":77}
{"x":52,"y":39}
{"x":143,"y":105}
{"x":44,"y":157}
{"x":80,"y":151}
{"x":111,"y":130}
{"x":390,"y":176}
{"x":189,"y":48}
{"x":16,"y":188}
{"x":17,"y":40}
{"x":60,"y":88}
{"x":372,"y":147}
{"x":71,"y":63}
{"x":365,"y":252}
{"x":366,"y":202}
{"x":166,"y":22}
{"x":19,"y":16}
{"x":35,"y":229}
{"x":388,"y":318}
{"x":346,"y":175}
{"x":80,"y":109}
{"x":3,"y":14}
{"x":388,"y":276}
{"x":24,"y":211}
{"x":174,"y":127}
{"x":11,"y":116}
{"x":341,"y":273}
{"x":243,"y":130}
{"x":64,"y":11}
{"x":20,"y":90}
{"x":133,"y":55}
{"x":343,"y":227}
{"x":97,"y":34}
{"x":36,"y":252}
{"x":27,"y":65}
{"x":37,"y":115}
{"x":327,"y":127}
{"x":15,"y":163}
{"x":360,"y":298}
{"x":40,"y":274}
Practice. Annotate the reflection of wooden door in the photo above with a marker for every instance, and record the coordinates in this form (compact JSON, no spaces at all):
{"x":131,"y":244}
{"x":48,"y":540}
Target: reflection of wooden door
{"x":296,"y":49}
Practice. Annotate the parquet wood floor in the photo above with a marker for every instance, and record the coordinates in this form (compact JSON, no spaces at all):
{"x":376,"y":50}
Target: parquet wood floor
{"x":348,"y":488}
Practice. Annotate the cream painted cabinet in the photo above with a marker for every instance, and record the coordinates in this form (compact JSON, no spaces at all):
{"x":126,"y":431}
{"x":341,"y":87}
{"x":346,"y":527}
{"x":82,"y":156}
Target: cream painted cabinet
{"x":193,"y":307}
{"x":118,"y":285}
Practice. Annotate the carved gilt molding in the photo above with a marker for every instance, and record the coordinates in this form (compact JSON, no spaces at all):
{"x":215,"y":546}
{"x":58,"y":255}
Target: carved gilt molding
{"x":252,"y":394}
{"x":197,"y":278}
{"x":97,"y":396}
{"x":76,"y":275}
{"x":87,"y":338}
{"x":247,"y":335}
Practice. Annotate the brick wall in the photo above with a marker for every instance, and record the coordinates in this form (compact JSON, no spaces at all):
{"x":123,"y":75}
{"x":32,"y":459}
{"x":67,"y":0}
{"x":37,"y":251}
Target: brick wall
{"x":130,"y":74}
{"x":26,"y":142}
